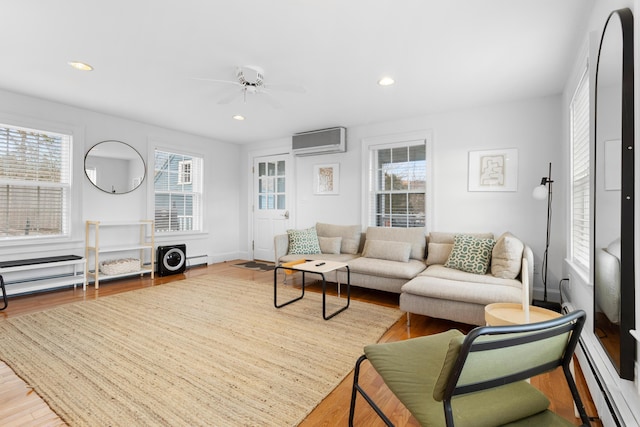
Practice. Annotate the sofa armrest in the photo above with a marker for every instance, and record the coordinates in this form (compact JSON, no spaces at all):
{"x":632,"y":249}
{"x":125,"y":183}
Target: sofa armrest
{"x":527,"y":254}
{"x":280,"y":246}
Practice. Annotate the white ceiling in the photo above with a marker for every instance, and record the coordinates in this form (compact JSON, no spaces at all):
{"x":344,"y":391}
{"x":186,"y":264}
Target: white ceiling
{"x":443,"y":54}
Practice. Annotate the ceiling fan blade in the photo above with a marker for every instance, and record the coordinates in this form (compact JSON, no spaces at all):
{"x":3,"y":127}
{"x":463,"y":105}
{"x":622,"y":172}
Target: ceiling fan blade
{"x":269,"y":99}
{"x":216,"y":81}
{"x":227,"y":92}
{"x":285,"y":87}
{"x":230,"y":97}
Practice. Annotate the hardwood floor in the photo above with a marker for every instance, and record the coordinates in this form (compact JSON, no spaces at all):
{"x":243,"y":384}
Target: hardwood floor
{"x":20,"y":406}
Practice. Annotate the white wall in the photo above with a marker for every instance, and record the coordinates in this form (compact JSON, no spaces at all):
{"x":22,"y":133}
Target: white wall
{"x":220,"y":240}
{"x":533,"y":127}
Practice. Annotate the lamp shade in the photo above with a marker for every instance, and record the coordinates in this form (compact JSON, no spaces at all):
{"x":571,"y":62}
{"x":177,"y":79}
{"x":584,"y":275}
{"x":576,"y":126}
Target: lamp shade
{"x":540,"y":192}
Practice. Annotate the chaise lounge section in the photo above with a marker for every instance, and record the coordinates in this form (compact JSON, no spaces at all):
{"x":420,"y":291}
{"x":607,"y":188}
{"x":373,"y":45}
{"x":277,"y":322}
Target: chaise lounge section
{"x":450,"y":293}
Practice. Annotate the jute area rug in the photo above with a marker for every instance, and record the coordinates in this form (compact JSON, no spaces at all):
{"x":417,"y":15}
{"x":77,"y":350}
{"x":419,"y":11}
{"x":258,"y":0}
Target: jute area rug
{"x":203,"y":351}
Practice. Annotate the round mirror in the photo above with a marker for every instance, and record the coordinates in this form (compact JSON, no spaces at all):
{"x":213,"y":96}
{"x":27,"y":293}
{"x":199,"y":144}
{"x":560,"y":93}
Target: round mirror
{"x":114,"y":167}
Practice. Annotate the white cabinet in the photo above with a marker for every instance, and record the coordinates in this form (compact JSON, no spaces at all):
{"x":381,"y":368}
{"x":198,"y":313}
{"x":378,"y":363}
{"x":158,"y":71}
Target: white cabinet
{"x":123,"y":238}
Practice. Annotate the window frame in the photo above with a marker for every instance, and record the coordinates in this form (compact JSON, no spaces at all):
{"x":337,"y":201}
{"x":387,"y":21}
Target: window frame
{"x":74,"y":221}
{"x":369,"y":168}
{"x":201,"y":200}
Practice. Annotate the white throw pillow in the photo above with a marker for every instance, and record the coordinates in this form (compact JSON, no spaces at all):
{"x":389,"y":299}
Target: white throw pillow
{"x":614,"y":248}
{"x":387,"y":250}
{"x":350,"y":235}
{"x":438,"y":253}
{"x":330,"y":245}
{"x":506,"y":258}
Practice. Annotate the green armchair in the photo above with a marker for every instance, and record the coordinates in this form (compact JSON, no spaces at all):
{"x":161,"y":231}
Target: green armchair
{"x":479,"y":379}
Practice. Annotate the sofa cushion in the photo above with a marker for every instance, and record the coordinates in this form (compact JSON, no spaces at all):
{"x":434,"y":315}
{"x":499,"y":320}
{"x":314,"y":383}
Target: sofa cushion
{"x":470,"y":254}
{"x":414,"y":235}
{"x":392,"y":251}
{"x":303,"y":241}
{"x":444,"y":283}
{"x":319,"y":256}
{"x":386,"y":268}
{"x":330,"y":245}
{"x":506,"y":257}
{"x":440,"y":271}
{"x":438,"y":253}
{"x":350,"y":234}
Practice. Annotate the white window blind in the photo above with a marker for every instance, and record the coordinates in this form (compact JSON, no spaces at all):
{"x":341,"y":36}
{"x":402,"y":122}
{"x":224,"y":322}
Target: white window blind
{"x":399,"y":185}
{"x":178,"y":192}
{"x":35,"y":183}
{"x":580,"y":165}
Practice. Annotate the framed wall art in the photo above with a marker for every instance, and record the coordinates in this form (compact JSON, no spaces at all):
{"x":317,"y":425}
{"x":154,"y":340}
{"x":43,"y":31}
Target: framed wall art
{"x":493,"y":170}
{"x":326,"y":179}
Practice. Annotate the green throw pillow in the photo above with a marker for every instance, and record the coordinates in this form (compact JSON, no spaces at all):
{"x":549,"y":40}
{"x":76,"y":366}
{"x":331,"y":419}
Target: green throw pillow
{"x":303,"y":241}
{"x":470,"y":254}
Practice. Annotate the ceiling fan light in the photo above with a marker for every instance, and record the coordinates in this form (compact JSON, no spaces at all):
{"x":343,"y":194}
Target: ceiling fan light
{"x":82,"y":66}
{"x":386,"y":81}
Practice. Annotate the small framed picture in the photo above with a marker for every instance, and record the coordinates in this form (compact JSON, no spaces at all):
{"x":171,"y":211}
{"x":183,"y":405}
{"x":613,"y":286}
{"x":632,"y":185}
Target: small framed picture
{"x":493,"y":170}
{"x":326,"y":179}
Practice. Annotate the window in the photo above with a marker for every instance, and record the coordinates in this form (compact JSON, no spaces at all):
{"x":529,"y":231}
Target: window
{"x":184,"y":175}
{"x":580,"y":164}
{"x":177,"y":186}
{"x":35,"y":183}
{"x":398,"y":195}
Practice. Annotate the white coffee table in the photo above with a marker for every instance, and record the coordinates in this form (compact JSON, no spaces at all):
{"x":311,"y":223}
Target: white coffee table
{"x":320,"y":268}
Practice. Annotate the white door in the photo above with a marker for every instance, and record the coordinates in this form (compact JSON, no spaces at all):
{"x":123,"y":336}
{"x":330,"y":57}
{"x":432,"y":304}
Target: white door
{"x":270,"y":203}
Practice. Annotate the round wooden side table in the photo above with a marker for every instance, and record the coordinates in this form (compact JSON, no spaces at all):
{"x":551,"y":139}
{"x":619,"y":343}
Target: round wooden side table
{"x":500,"y":314}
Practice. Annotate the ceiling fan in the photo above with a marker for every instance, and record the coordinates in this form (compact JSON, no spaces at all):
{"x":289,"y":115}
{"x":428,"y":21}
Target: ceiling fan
{"x":250,"y":80}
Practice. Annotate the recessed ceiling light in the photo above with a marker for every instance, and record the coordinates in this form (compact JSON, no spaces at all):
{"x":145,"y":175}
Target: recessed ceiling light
{"x":386,"y":81}
{"x":238,"y":117}
{"x":80,"y":66}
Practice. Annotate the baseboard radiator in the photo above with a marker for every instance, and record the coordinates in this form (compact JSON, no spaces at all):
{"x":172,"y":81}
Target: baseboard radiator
{"x":197,"y":260}
{"x":608,"y":397}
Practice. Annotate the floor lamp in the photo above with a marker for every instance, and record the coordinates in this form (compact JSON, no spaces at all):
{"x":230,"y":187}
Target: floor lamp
{"x":540,"y":192}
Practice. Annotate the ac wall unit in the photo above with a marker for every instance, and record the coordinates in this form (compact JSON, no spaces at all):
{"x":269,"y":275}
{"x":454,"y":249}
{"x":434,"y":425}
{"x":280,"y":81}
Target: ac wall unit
{"x":323,"y":141}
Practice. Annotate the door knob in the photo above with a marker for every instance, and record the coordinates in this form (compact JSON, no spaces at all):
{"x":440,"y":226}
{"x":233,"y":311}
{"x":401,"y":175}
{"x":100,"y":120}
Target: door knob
{"x":286,"y":214}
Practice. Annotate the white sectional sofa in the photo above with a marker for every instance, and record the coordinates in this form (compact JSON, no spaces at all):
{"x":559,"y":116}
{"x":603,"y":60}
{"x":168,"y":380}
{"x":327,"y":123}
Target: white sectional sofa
{"x":426,"y":271}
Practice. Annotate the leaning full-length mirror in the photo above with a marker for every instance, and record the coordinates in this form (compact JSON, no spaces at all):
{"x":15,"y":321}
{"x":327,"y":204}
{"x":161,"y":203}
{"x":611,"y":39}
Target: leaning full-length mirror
{"x":613,"y":252}
{"x":114,"y":167}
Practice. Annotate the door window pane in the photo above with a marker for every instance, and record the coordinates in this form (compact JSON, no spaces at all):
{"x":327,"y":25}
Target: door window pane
{"x":271,"y":185}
